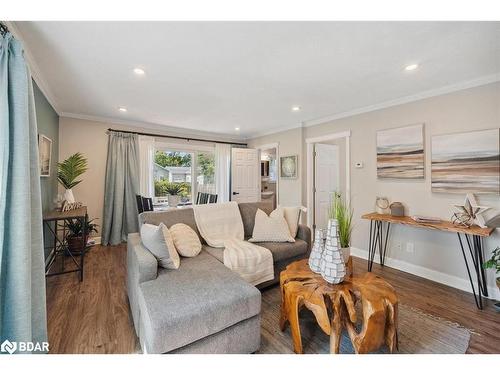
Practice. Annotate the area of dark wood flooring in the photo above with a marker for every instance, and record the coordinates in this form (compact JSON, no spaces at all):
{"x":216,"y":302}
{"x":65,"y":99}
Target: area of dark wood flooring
{"x":94,"y":317}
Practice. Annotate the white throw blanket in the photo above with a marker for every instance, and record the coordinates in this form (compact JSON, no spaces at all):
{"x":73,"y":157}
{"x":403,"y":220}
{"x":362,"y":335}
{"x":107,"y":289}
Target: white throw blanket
{"x":220,"y":225}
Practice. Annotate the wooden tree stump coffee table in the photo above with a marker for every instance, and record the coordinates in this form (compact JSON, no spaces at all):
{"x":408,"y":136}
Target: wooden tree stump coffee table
{"x":333,"y":305}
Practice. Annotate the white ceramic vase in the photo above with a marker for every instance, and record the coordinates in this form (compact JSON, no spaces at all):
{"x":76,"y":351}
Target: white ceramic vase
{"x":173,"y":200}
{"x":317,"y":250}
{"x":332,"y":263}
{"x":68,"y":196}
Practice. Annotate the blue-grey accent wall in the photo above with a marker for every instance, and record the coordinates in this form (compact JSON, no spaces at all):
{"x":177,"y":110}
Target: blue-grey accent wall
{"x":48,"y":124}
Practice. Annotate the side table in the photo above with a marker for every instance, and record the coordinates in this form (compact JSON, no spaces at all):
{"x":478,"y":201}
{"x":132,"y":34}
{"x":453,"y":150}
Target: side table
{"x":301,"y":287}
{"x":55,"y":223}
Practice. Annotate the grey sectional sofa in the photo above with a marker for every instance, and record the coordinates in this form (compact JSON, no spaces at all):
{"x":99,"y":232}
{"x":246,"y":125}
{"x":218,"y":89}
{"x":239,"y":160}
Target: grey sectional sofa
{"x":203,"y":307}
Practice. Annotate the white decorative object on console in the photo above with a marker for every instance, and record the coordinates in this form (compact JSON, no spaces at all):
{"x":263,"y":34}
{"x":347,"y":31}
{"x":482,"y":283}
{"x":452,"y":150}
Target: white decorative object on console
{"x":317,"y":251}
{"x":332,"y":263}
{"x":470,"y":213}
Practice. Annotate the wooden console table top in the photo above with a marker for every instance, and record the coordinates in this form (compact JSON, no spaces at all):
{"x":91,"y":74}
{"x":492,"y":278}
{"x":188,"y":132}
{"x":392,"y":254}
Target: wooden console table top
{"x":446,"y":226}
{"x":59,"y":215}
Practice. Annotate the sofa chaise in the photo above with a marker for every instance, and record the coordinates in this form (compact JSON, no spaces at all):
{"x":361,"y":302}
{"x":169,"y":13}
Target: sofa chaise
{"x":202,"y":307}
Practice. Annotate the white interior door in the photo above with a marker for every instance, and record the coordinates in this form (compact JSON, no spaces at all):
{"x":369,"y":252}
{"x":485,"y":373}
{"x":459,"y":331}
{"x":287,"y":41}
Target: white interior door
{"x":245,"y":175}
{"x":326,"y":181}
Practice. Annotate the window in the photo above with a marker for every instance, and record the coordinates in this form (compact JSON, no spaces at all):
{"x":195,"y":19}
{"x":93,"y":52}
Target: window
{"x":173,"y":166}
{"x":205,"y":172}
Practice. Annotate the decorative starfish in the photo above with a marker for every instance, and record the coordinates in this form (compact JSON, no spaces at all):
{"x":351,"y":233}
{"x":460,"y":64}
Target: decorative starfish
{"x":470,"y":212}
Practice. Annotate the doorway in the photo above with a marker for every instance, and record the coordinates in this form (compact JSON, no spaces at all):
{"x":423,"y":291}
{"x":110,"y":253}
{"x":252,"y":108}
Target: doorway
{"x":326,"y":180}
{"x":269,"y":173}
{"x":328,"y":171}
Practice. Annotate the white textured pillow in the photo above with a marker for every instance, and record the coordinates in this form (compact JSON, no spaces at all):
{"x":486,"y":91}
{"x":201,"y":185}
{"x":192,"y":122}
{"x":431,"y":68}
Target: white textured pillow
{"x":186,"y":240}
{"x":272,"y":228}
{"x":158,"y":240}
{"x":292,"y":216}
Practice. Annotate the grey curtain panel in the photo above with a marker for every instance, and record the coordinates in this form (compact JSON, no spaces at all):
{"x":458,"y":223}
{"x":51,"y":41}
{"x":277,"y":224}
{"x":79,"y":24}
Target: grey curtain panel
{"x":22,"y":268}
{"x":121,"y":186}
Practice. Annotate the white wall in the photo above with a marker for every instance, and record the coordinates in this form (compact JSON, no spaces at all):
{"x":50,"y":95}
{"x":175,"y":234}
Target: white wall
{"x":437,"y":254}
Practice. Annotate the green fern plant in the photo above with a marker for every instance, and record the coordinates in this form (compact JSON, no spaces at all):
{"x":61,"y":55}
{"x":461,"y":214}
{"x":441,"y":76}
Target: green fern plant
{"x":70,"y":169}
{"x":342,"y":211}
{"x":494,"y":261}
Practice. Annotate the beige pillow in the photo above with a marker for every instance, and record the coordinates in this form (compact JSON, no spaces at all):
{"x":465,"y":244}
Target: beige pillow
{"x":158,"y":240}
{"x":292,"y":217}
{"x":272,"y":228}
{"x":186,"y":240}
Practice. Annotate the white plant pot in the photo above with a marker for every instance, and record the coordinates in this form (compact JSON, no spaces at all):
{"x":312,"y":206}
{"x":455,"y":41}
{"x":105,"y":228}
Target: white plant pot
{"x":68,"y":196}
{"x":346,"y":253}
{"x":173,"y":200}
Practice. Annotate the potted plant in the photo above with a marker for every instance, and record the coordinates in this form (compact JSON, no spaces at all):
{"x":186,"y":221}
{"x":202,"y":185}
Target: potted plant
{"x":342,"y":211}
{"x":494,"y":262}
{"x":174,"y":191}
{"x":68,"y":172}
{"x":75,"y":236}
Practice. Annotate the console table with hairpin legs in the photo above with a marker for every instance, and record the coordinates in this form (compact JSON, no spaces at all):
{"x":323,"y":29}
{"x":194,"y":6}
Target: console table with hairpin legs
{"x":55,"y":223}
{"x":468,"y":237}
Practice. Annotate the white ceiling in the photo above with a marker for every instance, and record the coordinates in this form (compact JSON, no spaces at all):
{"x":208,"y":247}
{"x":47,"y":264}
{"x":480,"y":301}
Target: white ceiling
{"x":215,"y":76}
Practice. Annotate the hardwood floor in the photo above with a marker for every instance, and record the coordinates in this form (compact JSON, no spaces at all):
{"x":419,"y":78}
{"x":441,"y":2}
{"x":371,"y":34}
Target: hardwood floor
{"x":94,"y":317}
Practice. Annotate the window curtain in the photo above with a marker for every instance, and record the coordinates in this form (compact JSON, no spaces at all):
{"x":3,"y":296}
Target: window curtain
{"x":121,"y":186}
{"x":22,"y":268}
{"x":146,"y":159}
{"x":222,"y":172}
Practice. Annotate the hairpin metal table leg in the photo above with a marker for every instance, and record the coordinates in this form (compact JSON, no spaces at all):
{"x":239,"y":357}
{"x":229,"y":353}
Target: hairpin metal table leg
{"x":477,"y":267}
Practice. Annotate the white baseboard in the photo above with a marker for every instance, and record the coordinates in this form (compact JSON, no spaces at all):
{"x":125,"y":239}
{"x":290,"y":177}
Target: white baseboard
{"x":439,"y":277}
{"x":97,"y":240}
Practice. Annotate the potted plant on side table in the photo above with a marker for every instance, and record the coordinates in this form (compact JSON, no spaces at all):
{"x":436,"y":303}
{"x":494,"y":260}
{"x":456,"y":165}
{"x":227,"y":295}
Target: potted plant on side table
{"x":342,"y":211}
{"x":174,"y":191}
{"x":494,"y":262}
{"x":75,"y":236}
{"x":68,"y":172}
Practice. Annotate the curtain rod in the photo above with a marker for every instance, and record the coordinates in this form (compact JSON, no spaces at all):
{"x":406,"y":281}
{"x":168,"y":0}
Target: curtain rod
{"x":176,"y":137}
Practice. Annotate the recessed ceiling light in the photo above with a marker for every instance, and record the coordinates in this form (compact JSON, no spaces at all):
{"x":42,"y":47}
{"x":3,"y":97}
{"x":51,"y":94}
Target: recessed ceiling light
{"x":411,"y":67}
{"x":237,"y":129}
{"x":139,"y":71}
{"x":122,"y":109}
{"x":296,"y":108}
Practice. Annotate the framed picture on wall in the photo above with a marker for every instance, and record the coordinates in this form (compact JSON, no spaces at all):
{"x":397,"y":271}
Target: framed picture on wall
{"x":400,"y":152}
{"x":466,"y":162}
{"x":289,"y":166}
{"x":44,"y":154}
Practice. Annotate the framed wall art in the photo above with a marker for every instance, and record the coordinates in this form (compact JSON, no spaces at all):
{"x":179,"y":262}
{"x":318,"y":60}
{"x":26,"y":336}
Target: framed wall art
{"x":466,"y":162}
{"x":289,"y":166}
{"x":400,"y":152}
{"x":44,"y":155}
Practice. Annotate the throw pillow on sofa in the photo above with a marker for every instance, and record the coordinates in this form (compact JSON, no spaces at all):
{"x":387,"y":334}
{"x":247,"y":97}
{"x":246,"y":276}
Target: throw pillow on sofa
{"x":186,"y":240}
{"x":158,"y":240}
{"x":292,"y":217}
{"x":272,"y":228}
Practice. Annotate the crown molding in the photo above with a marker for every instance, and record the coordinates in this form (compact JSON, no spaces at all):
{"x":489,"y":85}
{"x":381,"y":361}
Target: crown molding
{"x":481,"y":81}
{"x":35,"y":71}
{"x":273,"y":131}
{"x":171,"y":130}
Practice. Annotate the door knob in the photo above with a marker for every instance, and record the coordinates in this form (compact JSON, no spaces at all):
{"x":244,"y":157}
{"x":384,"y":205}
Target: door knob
{"x":235,"y":193}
